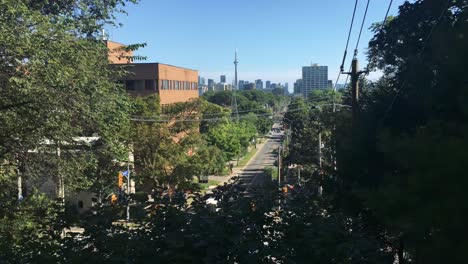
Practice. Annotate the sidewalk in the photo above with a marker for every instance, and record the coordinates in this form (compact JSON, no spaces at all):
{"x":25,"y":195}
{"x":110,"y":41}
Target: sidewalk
{"x":237,"y":169}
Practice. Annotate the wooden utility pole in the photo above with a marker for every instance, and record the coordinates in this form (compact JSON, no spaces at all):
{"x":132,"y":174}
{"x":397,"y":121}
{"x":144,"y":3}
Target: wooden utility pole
{"x":355,"y":73}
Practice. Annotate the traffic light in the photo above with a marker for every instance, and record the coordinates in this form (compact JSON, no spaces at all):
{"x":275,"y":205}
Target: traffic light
{"x":120,"y":180}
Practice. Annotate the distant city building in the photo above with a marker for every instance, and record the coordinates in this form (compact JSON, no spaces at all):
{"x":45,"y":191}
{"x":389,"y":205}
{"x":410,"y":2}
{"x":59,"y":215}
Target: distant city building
{"x":222,"y":87}
{"x":223,"y":79}
{"x":273,"y":86}
{"x":268,"y":85}
{"x":286,"y":87}
{"x":201,"y":81}
{"x":249,"y":86}
{"x":241,"y":85}
{"x":314,"y":77}
{"x":259,"y":84}
{"x":202,"y":89}
{"x":330,"y":84}
{"x":211,"y":84}
{"x":298,"y":86}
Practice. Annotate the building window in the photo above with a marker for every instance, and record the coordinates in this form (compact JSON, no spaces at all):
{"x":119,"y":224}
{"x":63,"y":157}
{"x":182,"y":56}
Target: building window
{"x":150,"y":85}
{"x":165,"y":85}
{"x":135,"y":85}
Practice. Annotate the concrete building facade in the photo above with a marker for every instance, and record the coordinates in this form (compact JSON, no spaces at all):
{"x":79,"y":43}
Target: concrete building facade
{"x":259,"y":84}
{"x":314,"y":77}
{"x":222,"y":87}
{"x":298,"y":86}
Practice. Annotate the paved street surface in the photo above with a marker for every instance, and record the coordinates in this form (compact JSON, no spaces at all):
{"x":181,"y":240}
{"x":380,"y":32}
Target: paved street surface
{"x":252,"y":174}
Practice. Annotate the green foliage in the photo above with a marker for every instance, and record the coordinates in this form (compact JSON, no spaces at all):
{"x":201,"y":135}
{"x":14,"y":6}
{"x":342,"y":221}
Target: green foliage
{"x":403,"y":159}
{"x":232,"y":138}
{"x":56,"y":86}
{"x":272,"y":172}
{"x":170,"y":154}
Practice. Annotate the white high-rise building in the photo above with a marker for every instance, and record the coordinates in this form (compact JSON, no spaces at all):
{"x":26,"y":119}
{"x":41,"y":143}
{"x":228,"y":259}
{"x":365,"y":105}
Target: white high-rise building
{"x":314,"y":77}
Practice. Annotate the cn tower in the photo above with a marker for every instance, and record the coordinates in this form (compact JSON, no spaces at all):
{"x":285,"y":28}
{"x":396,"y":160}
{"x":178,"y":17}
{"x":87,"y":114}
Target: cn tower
{"x":235,"y":74}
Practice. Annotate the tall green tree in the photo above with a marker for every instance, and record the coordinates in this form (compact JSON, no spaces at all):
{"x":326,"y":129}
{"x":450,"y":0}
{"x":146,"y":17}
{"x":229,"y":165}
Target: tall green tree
{"x":56,"y":86}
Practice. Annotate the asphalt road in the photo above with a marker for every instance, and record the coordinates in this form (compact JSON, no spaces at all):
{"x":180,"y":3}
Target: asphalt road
{"x":252,"y":175}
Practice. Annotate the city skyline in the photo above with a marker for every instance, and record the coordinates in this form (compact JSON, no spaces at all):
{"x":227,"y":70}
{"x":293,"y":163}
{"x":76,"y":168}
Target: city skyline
{"x":285,"y":49}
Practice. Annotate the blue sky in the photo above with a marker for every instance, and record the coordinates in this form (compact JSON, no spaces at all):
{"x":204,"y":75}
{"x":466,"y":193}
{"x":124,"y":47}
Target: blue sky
{"x":274,"y":38}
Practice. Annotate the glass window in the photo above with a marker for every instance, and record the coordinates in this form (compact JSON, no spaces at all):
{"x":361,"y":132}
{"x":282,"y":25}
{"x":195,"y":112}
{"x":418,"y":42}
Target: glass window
{"x":135,"y":85}
{"x":177,"y":85}
{"x":150,"y":85}
{"x":164,"y":84}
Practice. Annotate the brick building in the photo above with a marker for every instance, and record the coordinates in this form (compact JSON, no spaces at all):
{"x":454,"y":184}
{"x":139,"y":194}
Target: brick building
{"x":117,"y":54}
{"x":173,"y":84}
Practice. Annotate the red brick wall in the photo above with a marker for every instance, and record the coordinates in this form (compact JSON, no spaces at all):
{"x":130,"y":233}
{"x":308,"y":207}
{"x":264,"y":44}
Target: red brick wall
{"x":172,"y":73}
{"x":115,"y":52}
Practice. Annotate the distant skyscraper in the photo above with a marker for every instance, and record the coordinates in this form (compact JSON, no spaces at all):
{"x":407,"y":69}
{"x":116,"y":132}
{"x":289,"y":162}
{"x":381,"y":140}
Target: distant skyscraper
{"x":314,"y":77}
{"x":211,"y":84}
{"x":241,"y":85}
{"x":259,"y":84}
{"x":223,"y":79}
{"x":286,"y":87}
{"x":298,"y":86}
{"x":268,"y":85}
{"x":201,"y":81}
{"x":330,"y":84}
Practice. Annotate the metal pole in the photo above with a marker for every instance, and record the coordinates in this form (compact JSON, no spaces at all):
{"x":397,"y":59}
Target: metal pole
{"x":128,"y":192}
{"x":320,"y":149}
{"x":279,"y":166}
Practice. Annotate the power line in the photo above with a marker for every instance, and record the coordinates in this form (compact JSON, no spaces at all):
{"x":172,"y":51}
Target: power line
{"x":142,"y":119}
{"x":349,"y":35}
{"x":360,"y":31}
{"x":345,"y":51}
{"x":418,"y":58}
{"x":386,"y":15}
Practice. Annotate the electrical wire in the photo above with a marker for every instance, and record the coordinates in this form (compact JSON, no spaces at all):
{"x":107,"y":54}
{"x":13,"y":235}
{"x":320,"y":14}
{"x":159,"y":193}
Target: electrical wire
{"x":386,"y":15}
{"x":360,"y":31}
{"x":142,"y":119}
{"x":349,"y":35}
{"x":345,"y":52}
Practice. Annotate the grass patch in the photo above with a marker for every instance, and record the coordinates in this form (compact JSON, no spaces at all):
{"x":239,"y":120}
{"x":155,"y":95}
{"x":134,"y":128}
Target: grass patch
{"x":247,"y":157}
{"x":204,"y":186}
{"x":272,"y":172}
